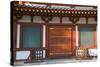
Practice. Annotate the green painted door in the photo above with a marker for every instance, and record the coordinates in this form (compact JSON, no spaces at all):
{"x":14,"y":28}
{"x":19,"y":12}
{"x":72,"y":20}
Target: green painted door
{"x":31,"y":36}
{"x":86,"y":36}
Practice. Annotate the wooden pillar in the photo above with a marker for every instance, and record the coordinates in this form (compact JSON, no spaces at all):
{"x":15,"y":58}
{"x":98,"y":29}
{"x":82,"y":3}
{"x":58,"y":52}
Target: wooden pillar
{"x":20,"y":2}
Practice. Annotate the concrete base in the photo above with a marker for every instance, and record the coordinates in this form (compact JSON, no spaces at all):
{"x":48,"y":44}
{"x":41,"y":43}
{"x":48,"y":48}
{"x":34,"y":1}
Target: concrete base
{"x":54,"y":61}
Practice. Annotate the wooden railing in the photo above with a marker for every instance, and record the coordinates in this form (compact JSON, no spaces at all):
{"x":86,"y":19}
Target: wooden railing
{"x":82,"y":53}
{"x":35,"y":55}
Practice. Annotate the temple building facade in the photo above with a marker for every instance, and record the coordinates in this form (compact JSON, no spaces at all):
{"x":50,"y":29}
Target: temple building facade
{"x":47,"y":31}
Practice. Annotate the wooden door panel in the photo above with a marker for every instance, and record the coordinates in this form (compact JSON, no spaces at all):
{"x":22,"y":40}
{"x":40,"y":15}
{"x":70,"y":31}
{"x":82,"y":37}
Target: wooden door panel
{"x":59,"y":41}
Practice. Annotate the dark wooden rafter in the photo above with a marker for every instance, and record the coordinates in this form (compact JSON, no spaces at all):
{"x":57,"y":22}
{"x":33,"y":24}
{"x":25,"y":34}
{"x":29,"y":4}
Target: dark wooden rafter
{"x":45,"y":12}
{"x":96,"y":19}
{"x":86,"y":20}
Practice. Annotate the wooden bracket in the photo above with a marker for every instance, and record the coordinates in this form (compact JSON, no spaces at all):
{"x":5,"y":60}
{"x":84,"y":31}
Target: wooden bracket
{"x":46,"y":18}
{"x":74,"y":19}
{"x":18,"y":17}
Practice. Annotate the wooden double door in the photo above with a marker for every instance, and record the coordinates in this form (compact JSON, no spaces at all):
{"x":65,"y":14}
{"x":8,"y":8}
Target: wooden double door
{"x":59,"y":41}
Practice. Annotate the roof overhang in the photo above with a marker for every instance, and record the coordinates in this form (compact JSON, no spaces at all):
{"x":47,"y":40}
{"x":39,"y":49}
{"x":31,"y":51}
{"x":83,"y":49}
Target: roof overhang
{"x":52,"y":9}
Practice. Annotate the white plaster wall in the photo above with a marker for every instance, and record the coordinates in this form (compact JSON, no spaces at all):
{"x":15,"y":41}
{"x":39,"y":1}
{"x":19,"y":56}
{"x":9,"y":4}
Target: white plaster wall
{"x":22,"y":55}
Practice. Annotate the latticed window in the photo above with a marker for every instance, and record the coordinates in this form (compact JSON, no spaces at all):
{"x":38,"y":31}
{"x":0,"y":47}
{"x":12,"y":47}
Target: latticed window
{"x":25,"y":18}
{"x":37,"y":19}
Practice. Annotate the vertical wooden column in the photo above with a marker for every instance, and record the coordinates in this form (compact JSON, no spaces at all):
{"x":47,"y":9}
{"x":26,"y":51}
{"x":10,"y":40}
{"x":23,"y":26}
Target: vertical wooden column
{"x":76,"y":28}
{"x":95,"y":39}
{"x":20,"y":2}
{"x":95,"y":35}
{"x":75,"y":33}
{"x":74,"y":40}
{"x":14,"y":37}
